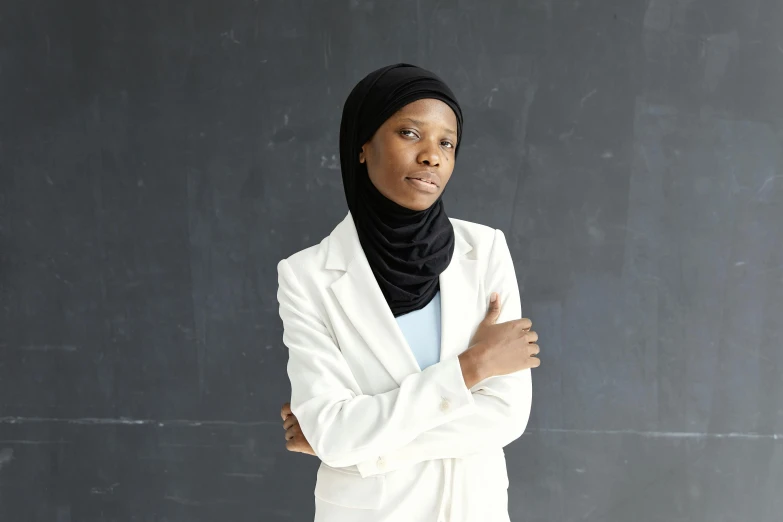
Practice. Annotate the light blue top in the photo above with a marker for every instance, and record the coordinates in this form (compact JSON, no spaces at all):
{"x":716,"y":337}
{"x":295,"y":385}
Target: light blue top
{"x":422,"y":330}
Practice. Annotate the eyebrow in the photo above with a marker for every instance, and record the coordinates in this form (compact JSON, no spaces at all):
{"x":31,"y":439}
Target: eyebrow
{"x":421,"y":123}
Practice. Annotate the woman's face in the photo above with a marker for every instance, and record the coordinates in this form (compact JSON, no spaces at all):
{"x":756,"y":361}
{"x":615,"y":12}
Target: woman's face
{"x":418,"y":141}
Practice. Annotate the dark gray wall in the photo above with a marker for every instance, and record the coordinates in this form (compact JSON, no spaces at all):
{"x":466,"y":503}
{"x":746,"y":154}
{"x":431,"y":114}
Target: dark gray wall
{"x":158,"y":159}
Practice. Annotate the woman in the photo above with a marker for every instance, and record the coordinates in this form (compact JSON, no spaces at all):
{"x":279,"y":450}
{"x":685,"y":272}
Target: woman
{"x":409,"y":419}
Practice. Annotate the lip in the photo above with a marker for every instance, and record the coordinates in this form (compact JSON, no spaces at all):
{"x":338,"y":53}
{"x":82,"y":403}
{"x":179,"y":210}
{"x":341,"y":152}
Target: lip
{"x":422,"y":185}
{"x":426,"y":175}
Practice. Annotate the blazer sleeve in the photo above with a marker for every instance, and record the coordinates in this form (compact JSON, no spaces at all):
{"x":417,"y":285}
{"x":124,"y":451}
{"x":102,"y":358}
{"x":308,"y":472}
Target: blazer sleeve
{"x":344,"y":426}
{"x":502,"y":403}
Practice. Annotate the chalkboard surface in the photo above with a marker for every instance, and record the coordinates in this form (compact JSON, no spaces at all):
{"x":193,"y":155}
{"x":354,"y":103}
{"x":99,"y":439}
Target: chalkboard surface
{"x":158,"y":159}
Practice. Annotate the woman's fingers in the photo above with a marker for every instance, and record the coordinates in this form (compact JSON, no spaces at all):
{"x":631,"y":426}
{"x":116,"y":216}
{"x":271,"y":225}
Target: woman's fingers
{"x":292,"y":432}
{"x":285,"y":411}
{"x":493,"y":311}
{"x":300,"y":445}
{"x":294,"y":438}
{"x":296,"y":441}
{"x":523,"y":323}
{"x":291,"y":420}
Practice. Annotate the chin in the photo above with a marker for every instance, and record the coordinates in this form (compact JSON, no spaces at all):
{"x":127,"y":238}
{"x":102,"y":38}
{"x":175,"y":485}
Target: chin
{"x":421,"y":204}
{"x":417,"y":200}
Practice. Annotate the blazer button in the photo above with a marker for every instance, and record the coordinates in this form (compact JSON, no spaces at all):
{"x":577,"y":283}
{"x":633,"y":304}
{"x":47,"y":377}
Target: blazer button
{"x":445,"y":405}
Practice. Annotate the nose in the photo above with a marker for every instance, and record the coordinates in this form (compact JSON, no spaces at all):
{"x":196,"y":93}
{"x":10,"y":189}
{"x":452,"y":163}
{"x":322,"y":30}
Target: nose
{"x":429,"y":156}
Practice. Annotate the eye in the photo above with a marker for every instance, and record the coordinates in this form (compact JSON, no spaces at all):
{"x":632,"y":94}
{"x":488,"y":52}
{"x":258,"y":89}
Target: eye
{"x":447,"y":144}
{"x":410,"y":135}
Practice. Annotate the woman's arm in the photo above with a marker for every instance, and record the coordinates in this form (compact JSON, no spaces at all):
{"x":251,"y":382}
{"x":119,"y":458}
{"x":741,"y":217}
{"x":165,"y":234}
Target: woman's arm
{"x":502,"y":403}
{"x":495,"y":424}
{"x":343,"y":426}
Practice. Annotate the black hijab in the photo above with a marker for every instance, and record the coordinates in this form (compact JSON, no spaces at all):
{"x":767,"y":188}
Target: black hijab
{"x":407,"y":249}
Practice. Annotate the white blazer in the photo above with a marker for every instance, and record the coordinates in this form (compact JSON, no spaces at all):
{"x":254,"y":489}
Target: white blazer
{"x":398,"y":444}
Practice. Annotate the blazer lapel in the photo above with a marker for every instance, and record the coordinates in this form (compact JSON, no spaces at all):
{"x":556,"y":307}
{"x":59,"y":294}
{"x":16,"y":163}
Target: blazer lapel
{"x":362,"y":301}
{"x":459,"y":288}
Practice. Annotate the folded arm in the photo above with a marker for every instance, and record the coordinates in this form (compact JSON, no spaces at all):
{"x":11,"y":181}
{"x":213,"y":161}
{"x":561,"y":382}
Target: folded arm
{"x":344,"y":426}
{"x":502,"y":403}
{"x":406,"y":425}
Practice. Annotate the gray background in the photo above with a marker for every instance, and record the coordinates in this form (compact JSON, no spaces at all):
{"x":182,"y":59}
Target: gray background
{"x":159,"y":158}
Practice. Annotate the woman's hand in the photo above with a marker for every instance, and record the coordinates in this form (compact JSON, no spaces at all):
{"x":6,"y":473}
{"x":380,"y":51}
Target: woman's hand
{"x":500,"y":349}
{"x":295,"y":439}
{"x":495,"y":349}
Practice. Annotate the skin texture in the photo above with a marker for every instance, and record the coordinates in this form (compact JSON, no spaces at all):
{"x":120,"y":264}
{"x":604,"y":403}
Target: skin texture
{"x":420,"y":136}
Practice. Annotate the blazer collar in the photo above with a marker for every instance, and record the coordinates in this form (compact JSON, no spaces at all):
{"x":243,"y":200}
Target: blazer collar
{"x":362,"y":301}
